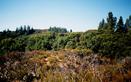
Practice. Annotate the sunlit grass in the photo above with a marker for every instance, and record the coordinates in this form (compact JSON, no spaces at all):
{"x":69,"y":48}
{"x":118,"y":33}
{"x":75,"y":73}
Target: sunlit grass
{"x":66,"y":66}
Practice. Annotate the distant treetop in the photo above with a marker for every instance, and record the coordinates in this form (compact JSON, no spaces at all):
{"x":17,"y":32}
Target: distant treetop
{"x":57,"y":29}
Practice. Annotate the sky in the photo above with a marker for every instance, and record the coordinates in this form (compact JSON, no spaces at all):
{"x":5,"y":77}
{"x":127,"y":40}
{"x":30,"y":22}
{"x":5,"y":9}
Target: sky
{"x":78,"y":15}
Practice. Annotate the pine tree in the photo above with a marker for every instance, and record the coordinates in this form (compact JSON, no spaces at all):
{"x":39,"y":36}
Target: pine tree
{"x":101,"y":25}
{"x":120,"y":25}
{"x":111,"y":21}
{"x":28,"y":29}
{"x":17,"y":30}
{"x":25,"y":29}
{"x":127,"y":24}
{"x":32,"y":30}
{"x":21,"y":30}
{"x":70,"y":30}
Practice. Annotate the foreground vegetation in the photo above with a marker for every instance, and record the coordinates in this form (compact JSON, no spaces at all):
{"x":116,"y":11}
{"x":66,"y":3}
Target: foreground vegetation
{"x":63,"y":66}
{"x":57,"y":55}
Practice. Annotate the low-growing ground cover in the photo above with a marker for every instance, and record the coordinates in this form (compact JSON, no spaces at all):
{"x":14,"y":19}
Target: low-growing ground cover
{"x":63,"y":66}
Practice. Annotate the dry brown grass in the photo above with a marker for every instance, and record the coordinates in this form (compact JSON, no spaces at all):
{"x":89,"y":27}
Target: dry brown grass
{"x":64,"y":66}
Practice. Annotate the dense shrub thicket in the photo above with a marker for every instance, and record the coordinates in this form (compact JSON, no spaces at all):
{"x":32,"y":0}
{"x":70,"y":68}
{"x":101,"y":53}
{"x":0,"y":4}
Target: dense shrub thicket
{"x":112,"y":39}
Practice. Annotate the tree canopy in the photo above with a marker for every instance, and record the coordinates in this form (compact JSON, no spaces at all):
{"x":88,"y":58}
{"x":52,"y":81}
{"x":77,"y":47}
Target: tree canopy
{"x":112,"y":38}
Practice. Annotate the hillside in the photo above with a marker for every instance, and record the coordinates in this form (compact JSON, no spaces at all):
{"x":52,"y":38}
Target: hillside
{"x":59,"y":55}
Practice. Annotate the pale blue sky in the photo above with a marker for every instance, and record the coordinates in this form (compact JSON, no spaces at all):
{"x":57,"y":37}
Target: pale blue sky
{"x":79,"y":15}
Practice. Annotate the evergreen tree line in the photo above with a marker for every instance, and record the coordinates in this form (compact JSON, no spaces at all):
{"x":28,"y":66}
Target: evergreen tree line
{"x":25,"y":30}
{"x":111,"y":24}
{"x":57,"y":29}
{"x":112,"y":39}
{"x":22,"y":30}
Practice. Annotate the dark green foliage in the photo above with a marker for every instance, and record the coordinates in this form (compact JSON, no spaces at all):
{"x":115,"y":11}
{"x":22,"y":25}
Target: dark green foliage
{"x":110,"y":40}
{"x":114,"y":41}
{"x":120,"y":26}
{"x":109,"y":25}
{"x":40,"y":42}
{"x":128,"y":23}
{"x":111,"y":45}
{"x":111,"y":21}
{"x":57,"y":29}
{"x":60,"y":43}
{"x":9,"y":44}
{"x":101,"y":25}
{"x":73,"y":40}
{"x":70,"y":30}
{"x":14,"y":40}
{"x":26,"y":30}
